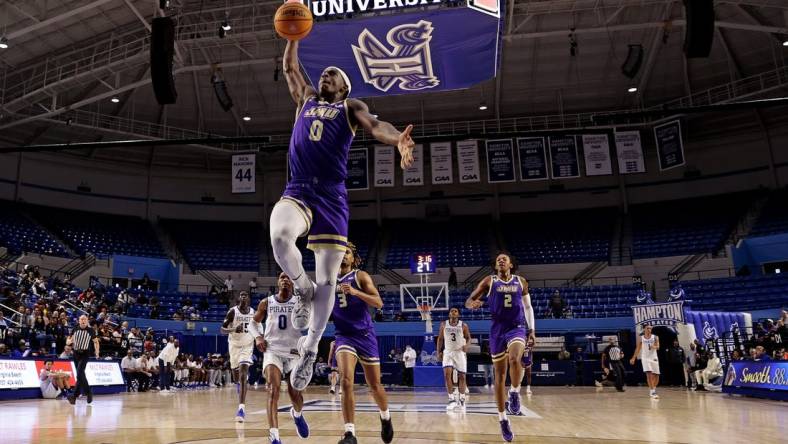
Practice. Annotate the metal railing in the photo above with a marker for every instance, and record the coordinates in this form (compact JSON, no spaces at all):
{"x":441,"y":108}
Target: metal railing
{"x":708,"y":274}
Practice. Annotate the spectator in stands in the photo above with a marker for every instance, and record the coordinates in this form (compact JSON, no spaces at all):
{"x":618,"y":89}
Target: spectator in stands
{"x":144,"y":373}
{"x":691,"y":365}
{"x":563,"y":355}
{"x":378,"y":315}
{"x":737,"y":355}
{"x":707,"y":376}
{"x":146,"y":282}
{"x":557,"y":305}
{"x":761,"y":355}
{"x":399,"y":317}
{"x":228,"y":284}
{"x":166,"y":359}
{"x":154,"y":309}
{"x":68,"y":352}
{"x":135,"y":340}
{"x":22,"y":350}
{"x":452,"y":278}
{"x":395,"y":355}
{"x":152,"y":366}
{"x":4,"y":351}
{"x":129,"y":367}
{"x":123,"y":302}
{"x":579,"y":357}
{"x":213,"y":292}
{"x":253,"y":286}
{"x":676,"y":358}
{"x":177,"y":316}
{"x":203,"y":306}
{"x":409,"y":360}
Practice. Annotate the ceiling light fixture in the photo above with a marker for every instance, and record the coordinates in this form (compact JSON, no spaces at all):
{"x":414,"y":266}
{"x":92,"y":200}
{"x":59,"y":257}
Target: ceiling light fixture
{"x":3,"y":42}
{"x":632,"y":89}
{"x":483,"y":106}
{"x":114,"y":100}
{"x":246,"y":117}
{"x":785,"y":43}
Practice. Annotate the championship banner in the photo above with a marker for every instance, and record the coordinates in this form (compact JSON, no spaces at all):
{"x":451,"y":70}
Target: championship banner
{"x":414,"y":176}
{"x":468,"y":161}
{"x":243,"y":173}
{"x":404,"y":52}
{"x":533,"y":158}
{"x":670,"y":147}
{"x":442,"y":171}
{"x":500,"y":161}
{"x":384,"y":166}
{"x":357,"y":170}
{"x":630,"y":152}
{"x":596,"y":150}
{"x":563,"y":157}
{"x":670,"y":314}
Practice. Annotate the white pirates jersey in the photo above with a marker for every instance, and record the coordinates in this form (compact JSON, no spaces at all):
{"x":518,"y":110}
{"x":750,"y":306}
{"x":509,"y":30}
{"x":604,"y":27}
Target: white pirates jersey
{"x":453,"y":337}
{"x":280,"y":335}
{"x":245,"y":338}
{"x":647,"y":349}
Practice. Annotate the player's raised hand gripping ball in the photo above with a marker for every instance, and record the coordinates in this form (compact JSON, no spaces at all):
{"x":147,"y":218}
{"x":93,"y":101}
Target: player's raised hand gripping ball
{"x":293,"y":21}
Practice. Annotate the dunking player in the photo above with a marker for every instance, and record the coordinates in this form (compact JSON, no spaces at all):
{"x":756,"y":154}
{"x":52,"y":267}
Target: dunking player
{"x":510,"y":307}
{"x":455,"y":336}
{"x":333,"y":376}
{"x":528,"y":361}
{"x":646,"y":351}
{"x":279,"y":342}
{"x":236,"y":325}
{"x":315,"y":200}
{"x":356,"y":342}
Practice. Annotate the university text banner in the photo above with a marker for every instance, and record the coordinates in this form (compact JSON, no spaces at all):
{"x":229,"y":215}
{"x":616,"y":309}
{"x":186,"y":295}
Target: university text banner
{"x":468,"y":161}
{"x":384,"y":166}
{"x":596,"y":151}
{"x":441,"y":163}
{"x":414,"y":176}
{"x":533,"y":158}
{"x":630,"y":152}
{"x":357,"y":170}
{"x":500,"y":161}
{"x":670,"y":147}
{"x":563,"y":157}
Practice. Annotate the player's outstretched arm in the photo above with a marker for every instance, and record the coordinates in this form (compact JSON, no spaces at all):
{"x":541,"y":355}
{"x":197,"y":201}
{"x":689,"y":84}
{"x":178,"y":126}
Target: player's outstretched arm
{"x":256,"y":326}
{"x":474,"y":301}
{"x":637,"y":352}
{"x":368,"y":293}
{"x":299,"y":89}
{"x":227,"y":321}
{"x":384,"y":132}
{"x":439,"y":342}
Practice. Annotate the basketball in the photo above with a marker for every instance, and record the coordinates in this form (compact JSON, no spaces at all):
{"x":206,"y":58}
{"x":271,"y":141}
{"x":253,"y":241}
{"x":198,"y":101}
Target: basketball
{"x":293,"y":21}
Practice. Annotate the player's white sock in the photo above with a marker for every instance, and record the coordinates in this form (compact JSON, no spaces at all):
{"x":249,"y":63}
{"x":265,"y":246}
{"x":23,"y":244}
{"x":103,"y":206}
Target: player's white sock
{"x":385,"y":414}
{"x":241,"y":407}
{"x":501,"y":416}
{"x":273,"y":434}
{"x":327,"y":264}
{"x":515,"y":389}
{"x":462,"y":397}
{"x":295,"y":414}
{"x":349,"y":427}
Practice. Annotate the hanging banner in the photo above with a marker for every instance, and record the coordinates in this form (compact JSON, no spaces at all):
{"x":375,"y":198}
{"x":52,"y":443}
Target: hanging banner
{"x":671,"y":314}
{"x":563,"y":157}
{"x":533,"y":158}
{"x":670,"y":147}
{"x":441,"y":163}
{"x":357,"y":170}
{"x":630,"y":152}
{"x":468,"y":161}
{"x":414,"y":176}
{"x":384,"y":165}
{"x":596,"y":151}
{"x":243,"y":173}
{"x":500,"y":161}
{"x":404,"y":53}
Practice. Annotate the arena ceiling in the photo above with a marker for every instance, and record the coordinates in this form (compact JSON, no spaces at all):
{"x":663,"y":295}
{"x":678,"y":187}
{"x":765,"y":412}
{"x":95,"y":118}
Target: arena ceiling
{"x":67,"y":60}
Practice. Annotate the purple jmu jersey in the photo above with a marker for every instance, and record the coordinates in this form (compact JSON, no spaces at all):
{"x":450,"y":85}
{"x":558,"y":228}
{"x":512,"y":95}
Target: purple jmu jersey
{"x":506,"y":302}
{"x":321,"y":138}
{"x":351,"y":314}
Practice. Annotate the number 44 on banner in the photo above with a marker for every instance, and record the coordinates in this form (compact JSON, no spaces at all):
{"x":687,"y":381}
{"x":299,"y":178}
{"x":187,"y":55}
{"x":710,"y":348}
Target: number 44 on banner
{"x":243,"y":173}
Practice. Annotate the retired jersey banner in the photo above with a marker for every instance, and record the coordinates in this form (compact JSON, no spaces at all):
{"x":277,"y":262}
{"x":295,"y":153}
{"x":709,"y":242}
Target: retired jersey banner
{"x":404,"y":52}
{"x":384,"y":165}
{"x":357,"y":170}
{"x":670,"y":147}
{"x":468,"y":161}
{"x":596,"y":150}
{"x":243,"y":172}
{"x":630,"y":152}
{"x":563,"y":157}
{"x":441,"y":163}
{"x":533,"y":158}
{"x":414,"y":176}
{"x":500,"y":161}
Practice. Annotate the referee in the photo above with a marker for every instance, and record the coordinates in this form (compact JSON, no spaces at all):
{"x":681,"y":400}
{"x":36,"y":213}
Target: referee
{"x":614,"y":357}
{"x":81,"y":339}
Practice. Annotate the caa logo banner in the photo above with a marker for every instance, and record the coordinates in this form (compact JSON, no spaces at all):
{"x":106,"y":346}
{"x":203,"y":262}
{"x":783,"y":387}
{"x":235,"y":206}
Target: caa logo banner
{"x":408,"y":62}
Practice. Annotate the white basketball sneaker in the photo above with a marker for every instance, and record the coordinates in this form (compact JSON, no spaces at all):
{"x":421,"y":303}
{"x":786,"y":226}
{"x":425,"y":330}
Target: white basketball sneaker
{"x":303,"y":307}
{"x":301,"y":375}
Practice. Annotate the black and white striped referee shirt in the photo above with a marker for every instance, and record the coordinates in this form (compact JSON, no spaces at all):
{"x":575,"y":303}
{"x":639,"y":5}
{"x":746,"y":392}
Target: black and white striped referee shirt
{"x":82,"y":338}
{"x":614,"y":353}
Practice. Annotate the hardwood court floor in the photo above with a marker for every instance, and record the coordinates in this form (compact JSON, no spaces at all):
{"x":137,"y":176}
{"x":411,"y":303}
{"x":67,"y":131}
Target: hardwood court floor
{"x":552,"y":415}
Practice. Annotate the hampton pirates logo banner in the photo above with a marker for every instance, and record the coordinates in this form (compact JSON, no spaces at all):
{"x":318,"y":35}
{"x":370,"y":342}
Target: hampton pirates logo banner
{"x":407,"y":52}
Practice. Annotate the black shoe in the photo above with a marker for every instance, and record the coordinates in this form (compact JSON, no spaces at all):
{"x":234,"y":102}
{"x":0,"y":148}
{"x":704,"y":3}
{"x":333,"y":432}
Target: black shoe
{"x":620,"y":390}
{"x":386,"y":430}
{"x":348,"y":439}
{"x":72,"y":399}
{"x":90,"y":398}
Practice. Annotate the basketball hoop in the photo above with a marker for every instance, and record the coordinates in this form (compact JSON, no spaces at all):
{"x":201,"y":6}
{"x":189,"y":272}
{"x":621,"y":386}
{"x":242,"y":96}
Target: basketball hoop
{"x":426,"y":312}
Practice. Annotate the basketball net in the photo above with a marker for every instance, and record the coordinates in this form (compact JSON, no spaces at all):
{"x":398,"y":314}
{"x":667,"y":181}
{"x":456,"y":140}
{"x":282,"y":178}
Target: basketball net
{"x":426,"y":316}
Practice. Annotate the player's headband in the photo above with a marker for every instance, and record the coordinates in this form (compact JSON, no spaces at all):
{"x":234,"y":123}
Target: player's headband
{"x":344,"y":77}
